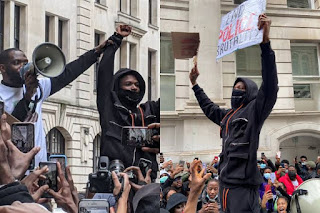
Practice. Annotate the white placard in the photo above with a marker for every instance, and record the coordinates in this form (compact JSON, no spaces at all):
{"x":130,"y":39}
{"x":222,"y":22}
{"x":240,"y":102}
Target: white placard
{"x":239,"y":28}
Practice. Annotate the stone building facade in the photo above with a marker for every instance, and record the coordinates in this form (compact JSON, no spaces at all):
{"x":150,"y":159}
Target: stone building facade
{"x":294,"y":124}
{"x":70,"y":117}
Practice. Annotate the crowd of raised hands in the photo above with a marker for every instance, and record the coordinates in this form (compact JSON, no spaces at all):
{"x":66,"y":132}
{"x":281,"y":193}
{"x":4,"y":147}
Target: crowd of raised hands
{"x":23,"y":193}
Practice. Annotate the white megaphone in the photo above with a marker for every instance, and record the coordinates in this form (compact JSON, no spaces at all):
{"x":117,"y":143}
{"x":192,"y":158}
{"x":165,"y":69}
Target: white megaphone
{"x":47,"y":60}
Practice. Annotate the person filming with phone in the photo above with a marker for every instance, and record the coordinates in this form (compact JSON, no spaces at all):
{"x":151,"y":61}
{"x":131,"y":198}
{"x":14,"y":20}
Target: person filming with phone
{"x":118,"y":98}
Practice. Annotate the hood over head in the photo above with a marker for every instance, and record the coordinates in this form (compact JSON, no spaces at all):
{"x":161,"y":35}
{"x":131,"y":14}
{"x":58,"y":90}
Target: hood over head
{"x":251,"y":89}
{"x":126,"y":71}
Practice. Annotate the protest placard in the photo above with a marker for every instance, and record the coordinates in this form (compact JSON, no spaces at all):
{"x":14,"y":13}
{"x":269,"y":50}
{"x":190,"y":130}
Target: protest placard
{"x":185,"y":45}
{"x":239,"y":28}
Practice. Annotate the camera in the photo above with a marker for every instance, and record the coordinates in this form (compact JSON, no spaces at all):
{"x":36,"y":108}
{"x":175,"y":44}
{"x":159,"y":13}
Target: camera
{"x":101,"y":181}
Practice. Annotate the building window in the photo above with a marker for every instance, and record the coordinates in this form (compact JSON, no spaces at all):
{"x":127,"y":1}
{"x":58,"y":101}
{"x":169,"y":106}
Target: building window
{"x":305,"y":69}
{"x":239,"y":1}
{"x":55,"y":142}
{"x":16,"y":26}
{"x":302,"y":91}
{"x":150,"y":12}
{"x":129,"y":7}
{"x":47,"y":29}
{"x":1,"y":25}
{"x":97,"y":1}
{"x":60,"y":34}
{"x":96,"y":152}
{"x":133,"y":56}
{"x":150,"y":71}
{"x":304,"y":60}
{"x":248,"y":63}
{"x":167,"y":74}
{"x":300,"y":3}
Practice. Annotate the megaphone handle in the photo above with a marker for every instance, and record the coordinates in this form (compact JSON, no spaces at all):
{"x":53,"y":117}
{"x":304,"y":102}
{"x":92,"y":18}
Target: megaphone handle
{"x":36,"y":99}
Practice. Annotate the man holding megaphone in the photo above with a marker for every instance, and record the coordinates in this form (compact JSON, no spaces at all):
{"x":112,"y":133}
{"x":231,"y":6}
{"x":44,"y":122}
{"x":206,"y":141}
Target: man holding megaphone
{"x":23,"y":94}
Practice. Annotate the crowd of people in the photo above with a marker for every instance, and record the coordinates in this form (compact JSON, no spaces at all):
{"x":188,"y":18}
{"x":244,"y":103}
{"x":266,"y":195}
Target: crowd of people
{"x":280,"y":180}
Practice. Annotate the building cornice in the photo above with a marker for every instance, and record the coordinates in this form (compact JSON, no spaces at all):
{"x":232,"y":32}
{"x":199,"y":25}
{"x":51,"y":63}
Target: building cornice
{"x":279,"y":11}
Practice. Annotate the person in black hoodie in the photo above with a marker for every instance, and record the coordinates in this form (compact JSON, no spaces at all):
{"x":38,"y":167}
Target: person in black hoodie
{"x":240,"y":128}
{"x":118,"y":96}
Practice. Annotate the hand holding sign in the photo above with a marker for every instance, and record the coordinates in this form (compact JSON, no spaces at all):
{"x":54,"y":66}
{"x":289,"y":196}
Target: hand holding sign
{"x":264,"y":23}
{"x":194,"y":75}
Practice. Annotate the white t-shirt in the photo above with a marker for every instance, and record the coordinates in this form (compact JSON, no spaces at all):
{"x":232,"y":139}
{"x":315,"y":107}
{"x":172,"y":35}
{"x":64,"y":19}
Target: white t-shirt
{"x":295,"y":184}
{"x":11,"y":96}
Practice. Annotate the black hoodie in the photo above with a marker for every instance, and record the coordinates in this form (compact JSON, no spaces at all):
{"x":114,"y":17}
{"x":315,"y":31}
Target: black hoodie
{"x":113,"y":115}
{"x":240,"y":128}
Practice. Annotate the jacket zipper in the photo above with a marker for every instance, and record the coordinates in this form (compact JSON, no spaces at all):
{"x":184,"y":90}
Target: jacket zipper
{"x":115,"y":123}
{"x":239,"y":144}
{"x":123,"y":108}
{"x":240,"y":119}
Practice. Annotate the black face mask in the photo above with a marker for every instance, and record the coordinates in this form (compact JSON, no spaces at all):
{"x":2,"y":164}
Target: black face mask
{"x":129,"y":98}
{"x":237,"y":98}
{"x":292,"y":175}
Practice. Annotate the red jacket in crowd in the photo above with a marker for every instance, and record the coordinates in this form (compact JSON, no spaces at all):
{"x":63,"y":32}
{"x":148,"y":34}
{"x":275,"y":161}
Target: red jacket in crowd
{"x":288,"y":183}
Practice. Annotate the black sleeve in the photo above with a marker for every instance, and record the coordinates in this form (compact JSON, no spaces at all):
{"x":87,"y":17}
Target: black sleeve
{"x":20,"y":111}
{"x":105,"y":73}
{"x":14,"y":192}
{"x":73,"y":70}
{"x":210,"y":109}
{"x":271,"y":165}
{"x":267,"y":95}
{"x":285,"y":194}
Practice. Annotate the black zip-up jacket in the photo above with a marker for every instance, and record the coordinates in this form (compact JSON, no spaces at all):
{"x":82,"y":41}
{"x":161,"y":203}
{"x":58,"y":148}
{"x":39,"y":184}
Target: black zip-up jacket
{"x":114,"y":116}
{"x":240,"y":128}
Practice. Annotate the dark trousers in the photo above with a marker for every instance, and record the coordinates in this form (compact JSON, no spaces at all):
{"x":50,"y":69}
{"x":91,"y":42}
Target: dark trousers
{"x":239,"y":200}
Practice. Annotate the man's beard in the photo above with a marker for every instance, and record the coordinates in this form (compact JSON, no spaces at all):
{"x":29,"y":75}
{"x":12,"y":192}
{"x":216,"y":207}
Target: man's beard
{"x":14,"y":77}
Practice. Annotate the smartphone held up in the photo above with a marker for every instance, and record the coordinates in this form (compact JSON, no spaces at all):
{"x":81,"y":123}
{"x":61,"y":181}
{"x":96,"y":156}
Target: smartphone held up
{"x":22,"y":137}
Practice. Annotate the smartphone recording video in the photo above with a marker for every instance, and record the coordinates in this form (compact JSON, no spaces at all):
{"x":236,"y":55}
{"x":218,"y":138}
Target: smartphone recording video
{"x":93,"y":206}
{"x":137,"y":136}
{"x":62,"y":159}
{"x":23,"y":138}
{"x":51,"y":177}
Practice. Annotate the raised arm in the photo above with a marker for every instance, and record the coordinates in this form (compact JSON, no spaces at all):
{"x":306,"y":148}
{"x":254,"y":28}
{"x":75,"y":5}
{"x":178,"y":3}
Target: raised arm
{"x":210,"y":109}
{"x":73,"y":70}
{"x":106,"y":66}
{"x":267,"y":95}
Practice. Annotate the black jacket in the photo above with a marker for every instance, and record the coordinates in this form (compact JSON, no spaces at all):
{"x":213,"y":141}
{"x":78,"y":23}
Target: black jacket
{"x":240,"y":128}
{"x":114,"y":116}
{"x":14,"y":192}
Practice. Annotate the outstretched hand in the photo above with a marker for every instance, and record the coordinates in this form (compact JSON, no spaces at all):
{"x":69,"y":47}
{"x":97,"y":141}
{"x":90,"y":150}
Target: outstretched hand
{"x":31,"y":182}
{"x":194,"y":75}
{"x":265,"y":24}
{"x":18,"y":161}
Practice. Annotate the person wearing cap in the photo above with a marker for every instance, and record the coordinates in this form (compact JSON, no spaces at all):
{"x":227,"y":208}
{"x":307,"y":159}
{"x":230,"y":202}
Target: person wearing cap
{"x":118,"y":98}
{"x":240,"y":128}
{"x":164,"y":175}
{"x":309,"y":172}
{"x":176,"y":203}
{"x":169,"y":181}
